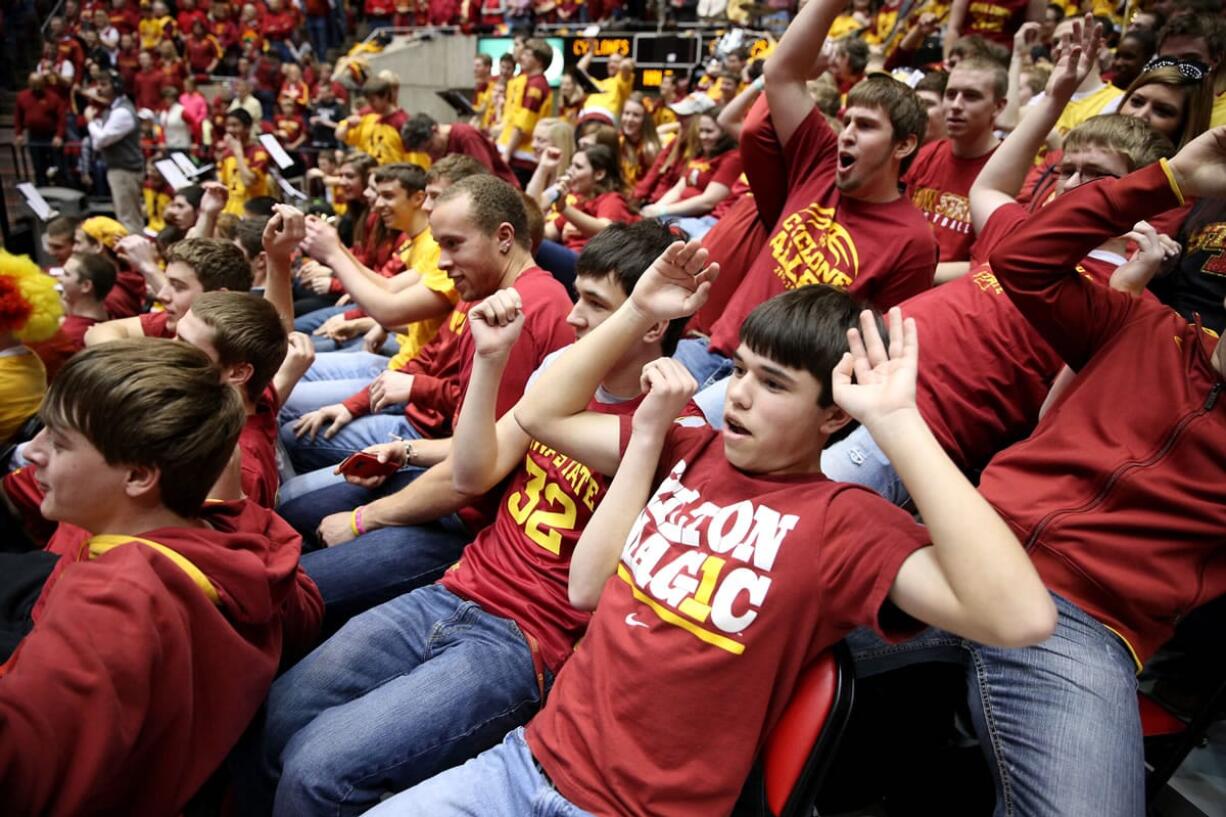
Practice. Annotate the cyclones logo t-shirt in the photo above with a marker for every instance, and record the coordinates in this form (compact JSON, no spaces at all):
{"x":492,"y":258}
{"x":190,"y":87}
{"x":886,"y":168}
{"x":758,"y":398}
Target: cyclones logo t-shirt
{"x":728,"y":586}
{"x":881,"y":253}
{"x":939,"y":185}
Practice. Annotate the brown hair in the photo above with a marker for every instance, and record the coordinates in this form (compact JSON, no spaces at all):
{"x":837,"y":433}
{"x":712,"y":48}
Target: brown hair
{"x":1198,"y":99}
{"x":151,"y":402}
{"x":900,"y":104}
{"x":1132,"y":138}
{"x":410,"y":177}
{"x":218,"y":264}
{"x":491,"y":203}
{"x":455,"y":166}
{"x":99,"y":270}
{"x":1000,"y":75}
{"x":246,"y":329}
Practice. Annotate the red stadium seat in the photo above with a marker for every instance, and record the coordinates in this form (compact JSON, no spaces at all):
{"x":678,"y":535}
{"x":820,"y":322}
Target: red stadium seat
{"x":799,"y":749}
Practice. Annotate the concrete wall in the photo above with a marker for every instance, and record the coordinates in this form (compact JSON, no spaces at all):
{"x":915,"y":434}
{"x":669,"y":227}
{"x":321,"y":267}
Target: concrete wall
{"x":426,"y":66}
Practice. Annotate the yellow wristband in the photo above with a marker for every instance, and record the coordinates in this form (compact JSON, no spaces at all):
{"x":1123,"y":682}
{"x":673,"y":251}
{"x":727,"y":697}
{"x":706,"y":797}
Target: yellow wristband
{"x":353,"y":522}
{"x":1171,"y":180}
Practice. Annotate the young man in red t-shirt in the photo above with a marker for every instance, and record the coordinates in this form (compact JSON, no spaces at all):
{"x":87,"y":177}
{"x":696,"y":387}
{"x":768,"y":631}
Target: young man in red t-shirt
{"x":148,"y":82}
{"x":515,"y":572}
{"x":843,"y":221}
{"x":194,"y":265}
{"x":164,"y":618}
{"x":939,"y":180}
{"x":987,"y":372}
{"x":436,"y":140}
{"x":86,"y":281}
{"x":746,"y":563}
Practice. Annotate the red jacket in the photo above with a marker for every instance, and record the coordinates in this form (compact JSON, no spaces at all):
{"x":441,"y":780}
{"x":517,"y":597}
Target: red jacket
{"x":43,"y":115}
{"x":133,"y":685}
{"x":1119,"y":495}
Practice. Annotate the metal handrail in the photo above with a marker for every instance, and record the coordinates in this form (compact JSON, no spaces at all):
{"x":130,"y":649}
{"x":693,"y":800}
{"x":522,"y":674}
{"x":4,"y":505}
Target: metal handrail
{"x":59,"y":4}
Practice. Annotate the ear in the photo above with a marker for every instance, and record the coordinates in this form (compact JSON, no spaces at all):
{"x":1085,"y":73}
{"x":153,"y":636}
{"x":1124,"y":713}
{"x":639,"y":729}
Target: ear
{"x":505,"y":236}
{"x":835,"y":418}
{"x":906,"y":147}
{"x":142,"y":481}
{"x":238,"y":375}
{"x":1000,"y":106}
{"x":656,"y":333}
{"x":418,"y":199}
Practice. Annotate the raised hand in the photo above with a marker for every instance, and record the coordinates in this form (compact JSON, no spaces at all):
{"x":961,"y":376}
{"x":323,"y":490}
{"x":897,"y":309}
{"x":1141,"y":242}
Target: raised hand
{"x":284,"y":231}
{"x":1074,"y":57}
{"x":884,"y":378}
{"x":668,"y":386}
{"x":138,"y":251}
{"x":676,"y":284}
{"x":321,"y":238}
{"x":1153,"y":250}
{"x":1025,"y":37}
{"x":496,"y":323}
{"x":214,"y":199}
{"x":1200,"y":167}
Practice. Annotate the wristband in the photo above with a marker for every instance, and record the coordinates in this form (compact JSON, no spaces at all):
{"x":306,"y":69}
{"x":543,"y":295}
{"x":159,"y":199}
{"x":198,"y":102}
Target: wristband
{"x":1171,"y":180}
{"x":408,"y":452}
{"x":355,"y":522}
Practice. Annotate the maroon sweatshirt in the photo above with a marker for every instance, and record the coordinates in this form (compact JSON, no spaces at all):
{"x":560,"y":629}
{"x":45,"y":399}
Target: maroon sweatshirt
{"x":43,"y":114}
{"x":1119,"y":495}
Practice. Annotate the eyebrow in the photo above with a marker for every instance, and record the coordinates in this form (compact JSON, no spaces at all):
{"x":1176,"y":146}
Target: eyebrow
{"x":776,"y":372}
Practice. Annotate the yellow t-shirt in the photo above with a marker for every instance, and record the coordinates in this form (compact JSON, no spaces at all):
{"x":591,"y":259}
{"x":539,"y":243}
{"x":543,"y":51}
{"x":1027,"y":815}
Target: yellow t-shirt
{"x":1080,"y":109}
{"x":155,"y":208}
{"x":421,"y":254}
{"x":511,"y":105}
{"x":240,"y":193}
{"x":22,"y":383}
{"x":379,"y":136}
{"x":613,"y":93}
{"x":154,"y":29}
{"x":1217,"y":117}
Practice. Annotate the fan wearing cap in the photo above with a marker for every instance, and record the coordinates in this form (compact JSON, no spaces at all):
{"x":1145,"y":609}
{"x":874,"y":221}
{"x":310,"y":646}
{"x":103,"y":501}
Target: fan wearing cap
{"x":100,"y":236}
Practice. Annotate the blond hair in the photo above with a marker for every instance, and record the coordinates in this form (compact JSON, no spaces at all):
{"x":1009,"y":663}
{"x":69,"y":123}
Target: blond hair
{"x":1132,"y":138}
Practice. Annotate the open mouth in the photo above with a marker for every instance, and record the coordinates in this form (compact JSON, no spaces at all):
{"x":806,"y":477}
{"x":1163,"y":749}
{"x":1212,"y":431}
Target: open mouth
{"x":846,"y":160}
{"x":734,"y":428}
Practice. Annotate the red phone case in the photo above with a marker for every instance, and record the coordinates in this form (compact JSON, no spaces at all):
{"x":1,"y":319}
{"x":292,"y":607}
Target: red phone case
{"x":365,"y":466}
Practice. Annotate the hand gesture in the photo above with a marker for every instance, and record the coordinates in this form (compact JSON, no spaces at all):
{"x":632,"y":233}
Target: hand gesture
{"x":1200,"y":167}
{"x":321,"y":239}
{"x":337,"y":328}
{"x":1024,"y":39}
{"x":232,"y":144}
{"x":884,"y":379}
{"x":299,"y":355}
{"x":496,"y":323}
{"x":676,"y":284}
{"x":551,"y":158}
{"x":374,"y":339}
{"x":1074,"y":57}
{"x":214,"y":199}
{"x":284,"y":231}
{"x":668,"y":386}
{"x":138,"y":251}
{"x":1153,"y":250}
{"x":390,"y":389}
{"x":335,"y":417}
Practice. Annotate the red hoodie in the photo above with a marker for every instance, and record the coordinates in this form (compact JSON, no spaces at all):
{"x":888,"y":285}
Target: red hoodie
{"x":1119,"y":495}
{"x":134,"y":685}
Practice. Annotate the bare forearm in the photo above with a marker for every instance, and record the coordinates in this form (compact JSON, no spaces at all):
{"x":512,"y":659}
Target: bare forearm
{"x":1006,"y":170}
{"x":279,"y":289}
{"x":951,"y":270}
{"x":429,"y":497}
{"x":474,"y":460}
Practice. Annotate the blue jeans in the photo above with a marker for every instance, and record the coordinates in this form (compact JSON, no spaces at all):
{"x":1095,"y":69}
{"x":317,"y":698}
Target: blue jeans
{"x":1057,"y":721}
{"x":333,"y":377}
{"x":501,"y":782}
{"x":856,"y":458}
{"x":311,"y":321}
{"x":694,"y":226}
{"x":706,"y":366}
{"x":308,"y":455}
{"x":401,"y":693}
{"x":317,"y":30}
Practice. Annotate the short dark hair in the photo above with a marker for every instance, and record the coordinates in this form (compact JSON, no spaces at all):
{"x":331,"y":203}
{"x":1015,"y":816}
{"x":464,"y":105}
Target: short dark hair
{"x":624,"y":252}
{"x":99,"y":270}
{"x":192,"y":194}
{"x":376,"y":87}
{"x":61,"y":226}
{"x":933,"y":81}
{"x":409,"y":176}
{"x":246,"y":329}
{"x":418,"y":130}
{"x":906,"y":112}
{"x":1208,"y":27}
{"x":455,"y":166}
{"x":151,"y":402}
{"x":487,"y":59}
{"x":806,"y":329}
{"x":856,"y":51}
{"x":218,"y":264}
{"x":259,"y":206}
{"x":491,"y":203}
{"x":242,"y":116}
{"x":250,"y":235}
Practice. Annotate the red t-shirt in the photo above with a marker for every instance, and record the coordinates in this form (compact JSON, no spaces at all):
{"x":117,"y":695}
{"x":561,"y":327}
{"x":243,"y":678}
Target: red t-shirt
{"x":74,"y":328}
{"x":289,"y":128}
{"x":226,"y":32}
{"x":729,"y":585}
{"x":188,"y":18}
{"x":258,"y":443}
{"x":519,"y":566}
{"x":737,"y":239}
{"x":148,"y":87}
{"x":939,"y":185}
{"x":155,"y":325}
{"x":611,"y":205}
{"x":471,"y":142}
{"x":701,"y":171}
{"x":201,"y":53}
{"x":881,"y":253}
{"x":279,"y":26}
{"x":127,"y":297}
{"x":995,"y":20}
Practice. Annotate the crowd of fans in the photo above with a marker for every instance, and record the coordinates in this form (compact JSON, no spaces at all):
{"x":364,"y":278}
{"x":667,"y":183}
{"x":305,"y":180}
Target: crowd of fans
{"x":525,"y":466}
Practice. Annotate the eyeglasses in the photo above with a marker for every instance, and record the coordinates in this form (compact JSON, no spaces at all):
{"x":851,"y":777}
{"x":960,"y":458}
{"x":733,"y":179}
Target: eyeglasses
{"x":1194,"y":70}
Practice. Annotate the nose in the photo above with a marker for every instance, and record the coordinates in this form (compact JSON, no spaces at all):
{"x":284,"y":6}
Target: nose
{"x":739,"y":392}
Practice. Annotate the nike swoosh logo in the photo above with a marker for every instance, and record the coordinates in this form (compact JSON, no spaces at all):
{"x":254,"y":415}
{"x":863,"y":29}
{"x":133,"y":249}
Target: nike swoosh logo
{"x":631,"y":621}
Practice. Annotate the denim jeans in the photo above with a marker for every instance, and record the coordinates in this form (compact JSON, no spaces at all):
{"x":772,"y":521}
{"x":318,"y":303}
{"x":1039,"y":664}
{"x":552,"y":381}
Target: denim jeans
{"x":706,"y":366}
{"x":856,"y":458}
{"x":365,"y":572}
{"x":333,"y":377}
{"x":308,"y":455}
{"x":1058,"y":722}
{"x":502,"y":782}
{"x":311,"y":321}
{"x":401,"y":693}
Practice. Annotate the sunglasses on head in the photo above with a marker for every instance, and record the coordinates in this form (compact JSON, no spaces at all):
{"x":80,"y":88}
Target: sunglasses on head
{"x":1194,"y":70}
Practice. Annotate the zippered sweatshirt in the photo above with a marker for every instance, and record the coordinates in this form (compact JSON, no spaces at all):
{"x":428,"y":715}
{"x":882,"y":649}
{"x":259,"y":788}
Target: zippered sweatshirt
{"x":1119,"y":495}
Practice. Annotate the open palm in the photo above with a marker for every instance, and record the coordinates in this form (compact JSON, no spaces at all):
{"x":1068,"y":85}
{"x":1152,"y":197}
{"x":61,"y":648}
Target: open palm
{"x":884,"y":379}
{"x":677,"y":283}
